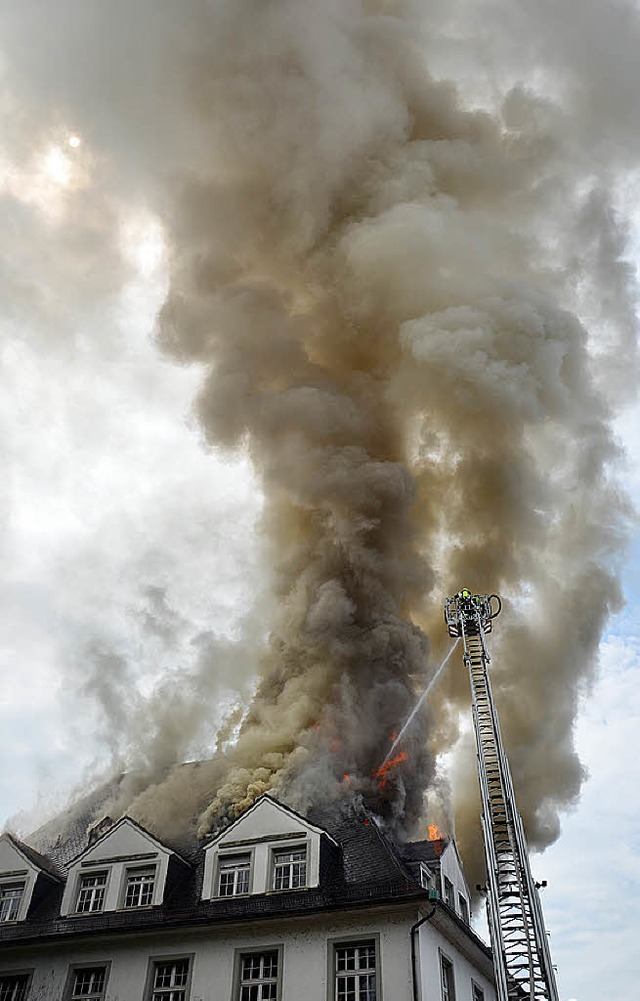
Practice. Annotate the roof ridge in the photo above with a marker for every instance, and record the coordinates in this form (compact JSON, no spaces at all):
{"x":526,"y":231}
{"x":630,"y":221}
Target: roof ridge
{"x":390,"y":847}
{"x":43,"y":863}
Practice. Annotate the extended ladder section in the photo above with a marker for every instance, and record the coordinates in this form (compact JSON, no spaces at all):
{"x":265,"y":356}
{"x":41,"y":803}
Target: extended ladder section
{"x":522,"y":958}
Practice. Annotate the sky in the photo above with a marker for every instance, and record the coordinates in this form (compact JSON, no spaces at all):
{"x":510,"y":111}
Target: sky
{"x":130,"y":543}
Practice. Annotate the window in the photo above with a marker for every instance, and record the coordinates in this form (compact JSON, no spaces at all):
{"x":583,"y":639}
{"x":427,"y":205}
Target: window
{"x":355,"y":972}
{"x":476,"y":992}
{"x":258,"y":979}
{"x":464,"y":908}
{"x":170,"y":980}
{"x":14,"y":986}
{"x":138,"y":891}
{"x":91,"y":892}
{"x":448,"y":892}
{"x":88,"y":983}
{"x":426,"y":879}
{"x":446,"y":973}
{"x":10,"y":897}
{"x":235,"y":872}
{"x":290,"y":869}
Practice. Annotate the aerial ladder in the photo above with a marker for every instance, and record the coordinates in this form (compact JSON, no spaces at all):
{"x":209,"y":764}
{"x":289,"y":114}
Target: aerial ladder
{"x":522,"y":959}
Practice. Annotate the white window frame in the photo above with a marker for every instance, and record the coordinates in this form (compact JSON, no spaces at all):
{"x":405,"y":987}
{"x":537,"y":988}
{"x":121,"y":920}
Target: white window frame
{"x":239,"y":864}
{"x":90,"y":993}
{"x":338,"y":976}
{"x":477,"y":992}
{"x":426,"y":876}
{"x":289,"y":871}
{"x":92,"y":896}
{"x":448,"y":892}
{"x":141,"y":876}
{"x":11,"y":913}
{"x":172,"y":991}
{"x":19,"y":975}
{"x":267,"y":985}
{"x":447,"y":979}
{"x":465,"y":912}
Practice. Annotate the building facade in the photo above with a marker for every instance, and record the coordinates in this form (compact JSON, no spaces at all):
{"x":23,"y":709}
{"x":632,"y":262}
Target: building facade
{"x":276,"y":907}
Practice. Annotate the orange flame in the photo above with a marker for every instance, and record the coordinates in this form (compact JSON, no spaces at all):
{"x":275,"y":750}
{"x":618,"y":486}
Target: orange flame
{"x":382,"y":773}
{"x":434,"y":833}
{"x":346,"y":779}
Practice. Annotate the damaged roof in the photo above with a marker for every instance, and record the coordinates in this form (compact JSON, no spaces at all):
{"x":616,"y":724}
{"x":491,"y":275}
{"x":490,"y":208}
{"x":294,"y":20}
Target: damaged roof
{"x":359,"y":867}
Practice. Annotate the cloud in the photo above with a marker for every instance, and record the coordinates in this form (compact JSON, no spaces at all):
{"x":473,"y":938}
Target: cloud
{"x":592,"y":907}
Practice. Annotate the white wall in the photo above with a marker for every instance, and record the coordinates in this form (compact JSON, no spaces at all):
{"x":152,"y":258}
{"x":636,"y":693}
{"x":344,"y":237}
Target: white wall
{"x":16,"y":868}
{"x":450,"y":867}
{"x":432,"y":944}
{"x":305,"y":943}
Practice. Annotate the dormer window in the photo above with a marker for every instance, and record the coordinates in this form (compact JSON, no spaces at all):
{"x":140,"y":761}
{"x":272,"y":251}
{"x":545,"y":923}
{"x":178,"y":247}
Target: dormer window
{"x":234,"y":875}
{"x":139,"y":885}
{"x":126,"y":868}
{"x":426,"y":877}
{"x":91,"y":892}
{"x":10,"y":898}
{"x":268,"y":849}
{"x":289,"y":869}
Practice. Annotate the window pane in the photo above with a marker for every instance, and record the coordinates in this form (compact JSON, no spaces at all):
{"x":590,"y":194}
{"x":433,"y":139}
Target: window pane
{"x":259,"y":977}
{"x":10,"y":897}
{"x":88,"y":983}
{"x":355,"y":972}
{"x":290,"y":869}
{"x":170,"y":978}
{"x":171,"y":974}
{"x":139,"y":888}
{"x":13,"y":986}
{"x":234,"y":875}
{"x":91,"y":893}
{"x":446,"y":969}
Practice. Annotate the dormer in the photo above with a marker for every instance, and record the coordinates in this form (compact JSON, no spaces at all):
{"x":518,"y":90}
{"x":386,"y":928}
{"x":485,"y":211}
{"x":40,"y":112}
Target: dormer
{"x":124,"y":868}
{"x":436,"y":865}
{"x":454,"y":886}
{"x":23,"y":873}
{"x":268,"y":849}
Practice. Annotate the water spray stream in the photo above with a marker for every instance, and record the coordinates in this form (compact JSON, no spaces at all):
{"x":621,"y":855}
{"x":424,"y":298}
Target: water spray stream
{"x":416,"y":708}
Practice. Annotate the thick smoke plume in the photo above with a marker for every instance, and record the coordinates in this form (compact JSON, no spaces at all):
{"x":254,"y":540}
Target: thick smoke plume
{"x":388,"y":283}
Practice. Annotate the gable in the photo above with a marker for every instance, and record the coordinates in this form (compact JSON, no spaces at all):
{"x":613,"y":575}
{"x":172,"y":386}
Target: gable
{"x":265,"y":819}
{"x":12,"y":860}
{"x":125,"y":839}
{"x":18,"y":877}
{"x":126,"y":853}
{"x":254,"y":845}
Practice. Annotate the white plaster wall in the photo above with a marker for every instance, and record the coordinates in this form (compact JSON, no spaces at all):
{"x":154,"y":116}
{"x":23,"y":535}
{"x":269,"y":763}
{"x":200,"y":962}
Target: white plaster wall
{"x":265,"y":820}
{"x":450,"y":867}
{"x":15,"y":868}
{"x":305,"y":958}
{"x":431,"y":945}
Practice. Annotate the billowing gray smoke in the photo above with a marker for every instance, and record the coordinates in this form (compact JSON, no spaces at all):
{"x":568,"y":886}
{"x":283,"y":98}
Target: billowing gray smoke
{"x":386,"y":287}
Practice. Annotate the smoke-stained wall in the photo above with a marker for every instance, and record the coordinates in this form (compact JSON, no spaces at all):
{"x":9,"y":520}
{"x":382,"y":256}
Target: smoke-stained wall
{"x":386,"y":281}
